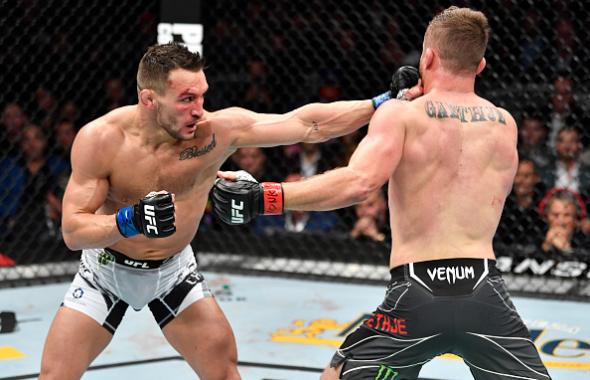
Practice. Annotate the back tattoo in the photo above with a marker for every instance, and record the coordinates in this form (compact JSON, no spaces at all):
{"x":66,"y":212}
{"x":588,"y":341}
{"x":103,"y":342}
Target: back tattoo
{"x":440,"y":110}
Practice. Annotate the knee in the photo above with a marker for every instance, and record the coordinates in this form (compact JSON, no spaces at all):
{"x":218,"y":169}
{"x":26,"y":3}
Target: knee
{"x":48,"y":371}
{"x":331,"y":373}
{"x":234,"y":375}
{"x":52,"y":370}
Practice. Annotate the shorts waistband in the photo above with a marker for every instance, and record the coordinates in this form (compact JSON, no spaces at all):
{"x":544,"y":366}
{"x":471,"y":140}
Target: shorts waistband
{"x":120,"y":258}
{"x":448,"y":276}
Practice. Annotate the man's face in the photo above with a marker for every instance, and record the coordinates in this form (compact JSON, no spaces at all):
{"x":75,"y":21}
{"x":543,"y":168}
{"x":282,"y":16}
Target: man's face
{"x":562,"y":214}
{"x":533,"y":132}
{"x":526,"y":179}
{"x":562,"y":94}
{"x":568,"y":145}
{"x":251,"y":160}
{"x":65,"y":134}
{"x":13,"y":119}
{"x":181,"y":106}
{"x":33,"y":143}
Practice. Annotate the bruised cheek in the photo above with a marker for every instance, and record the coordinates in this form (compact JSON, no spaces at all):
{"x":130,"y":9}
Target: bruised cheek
{"x":182,"y":108}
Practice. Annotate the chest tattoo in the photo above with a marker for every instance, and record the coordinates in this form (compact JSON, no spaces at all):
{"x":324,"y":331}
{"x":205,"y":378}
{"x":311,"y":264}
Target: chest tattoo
{"x":195,"y":151}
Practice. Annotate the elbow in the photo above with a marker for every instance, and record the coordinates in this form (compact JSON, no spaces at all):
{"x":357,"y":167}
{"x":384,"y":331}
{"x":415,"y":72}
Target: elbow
{"x":70,"y":241}
{"x":362,"y":187}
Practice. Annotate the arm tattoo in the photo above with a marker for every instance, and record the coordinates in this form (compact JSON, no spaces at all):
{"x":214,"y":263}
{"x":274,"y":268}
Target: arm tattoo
{"x":193,"y":151}
{"x":439,"y":110}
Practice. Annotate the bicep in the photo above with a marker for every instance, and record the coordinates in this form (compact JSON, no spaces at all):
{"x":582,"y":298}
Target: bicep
{"x":264,"y":130}
{"x":84,"y":194}
{"x":88,"y":185}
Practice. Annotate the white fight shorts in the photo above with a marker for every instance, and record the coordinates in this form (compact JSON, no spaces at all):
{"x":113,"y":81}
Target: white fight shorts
{"x":108,"y":282}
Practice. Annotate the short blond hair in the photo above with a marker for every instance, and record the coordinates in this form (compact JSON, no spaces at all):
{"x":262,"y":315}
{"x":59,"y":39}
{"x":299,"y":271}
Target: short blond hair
{"x":460,"y":36}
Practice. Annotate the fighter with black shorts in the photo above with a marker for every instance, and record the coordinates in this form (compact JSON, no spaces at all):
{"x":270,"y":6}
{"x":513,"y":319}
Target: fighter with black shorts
{"x":458,"y":306}
{"x":450,"y":158}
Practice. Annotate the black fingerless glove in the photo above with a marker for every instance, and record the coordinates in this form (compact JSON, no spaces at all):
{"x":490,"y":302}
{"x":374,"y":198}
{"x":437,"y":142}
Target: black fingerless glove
{"x":152,"y":216}
{"x":238,"y":202}
{"x":405,"y":77}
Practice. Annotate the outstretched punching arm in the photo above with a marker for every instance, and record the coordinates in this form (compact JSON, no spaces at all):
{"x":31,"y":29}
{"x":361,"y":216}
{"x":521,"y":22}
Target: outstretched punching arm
{"x":371,"y":165}
{"x":315,"y":122}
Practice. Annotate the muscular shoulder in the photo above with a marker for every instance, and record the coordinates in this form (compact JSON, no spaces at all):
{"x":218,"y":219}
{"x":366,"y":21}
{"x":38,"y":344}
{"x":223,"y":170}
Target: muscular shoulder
{"x":395,"y":112}
{"x":395,"y":108}
{"x":100,"y":135}
{"x":233,"y":117}
{"x":97,"y":142}
{"x":508,"y":116}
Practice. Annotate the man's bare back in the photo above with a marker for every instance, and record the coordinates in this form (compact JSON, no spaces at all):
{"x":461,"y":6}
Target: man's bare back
{"x":448,"y":190}
{"x":450,"y":158}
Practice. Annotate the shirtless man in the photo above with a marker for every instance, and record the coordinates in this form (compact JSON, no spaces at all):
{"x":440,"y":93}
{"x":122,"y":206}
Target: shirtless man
{"x":135,"y":247}
{"x":450,"y":158}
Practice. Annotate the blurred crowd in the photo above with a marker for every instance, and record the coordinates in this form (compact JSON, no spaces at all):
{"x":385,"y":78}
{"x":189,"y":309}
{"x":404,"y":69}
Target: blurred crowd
{"x":302,"y":53}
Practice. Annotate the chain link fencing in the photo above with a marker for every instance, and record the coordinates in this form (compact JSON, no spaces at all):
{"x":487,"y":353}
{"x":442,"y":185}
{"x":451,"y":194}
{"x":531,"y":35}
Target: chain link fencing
{"x":67,"y":62}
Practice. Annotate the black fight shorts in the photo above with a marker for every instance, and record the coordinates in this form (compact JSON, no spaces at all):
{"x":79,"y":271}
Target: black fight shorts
{"x":458,"y":306}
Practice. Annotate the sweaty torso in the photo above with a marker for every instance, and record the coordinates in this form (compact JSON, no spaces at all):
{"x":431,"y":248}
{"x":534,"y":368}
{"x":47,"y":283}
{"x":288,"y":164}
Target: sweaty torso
{"x":187,"y":169}
{"x":447,"y":193}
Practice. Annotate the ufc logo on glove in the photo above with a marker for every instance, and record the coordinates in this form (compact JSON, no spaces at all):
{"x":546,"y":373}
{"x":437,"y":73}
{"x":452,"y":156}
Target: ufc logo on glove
{"x":150,"y":216}
{"x":236,"y":212}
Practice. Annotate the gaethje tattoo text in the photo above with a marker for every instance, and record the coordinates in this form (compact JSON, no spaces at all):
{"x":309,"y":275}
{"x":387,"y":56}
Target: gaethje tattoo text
{"x":464,"y":114}
{"x":194,"y":151}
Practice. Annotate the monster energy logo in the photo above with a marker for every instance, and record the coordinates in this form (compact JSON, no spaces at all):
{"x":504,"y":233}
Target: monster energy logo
{"x":386,"y":373}
{"x":105,"y":258}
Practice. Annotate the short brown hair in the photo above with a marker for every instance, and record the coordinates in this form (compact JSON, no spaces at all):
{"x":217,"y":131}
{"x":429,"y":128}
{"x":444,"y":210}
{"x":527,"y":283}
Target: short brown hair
{"x":159,"y":60}
{"x":460,"y":36}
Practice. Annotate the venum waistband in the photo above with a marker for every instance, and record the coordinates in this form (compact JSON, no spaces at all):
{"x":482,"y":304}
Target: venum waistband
{"x":110,"y":255}
{"x":447,"y":277}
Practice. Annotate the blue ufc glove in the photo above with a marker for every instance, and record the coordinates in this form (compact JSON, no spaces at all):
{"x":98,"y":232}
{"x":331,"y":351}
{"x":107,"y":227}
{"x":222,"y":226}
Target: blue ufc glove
{"x":405,"y":77}
{"x":152,"y":216}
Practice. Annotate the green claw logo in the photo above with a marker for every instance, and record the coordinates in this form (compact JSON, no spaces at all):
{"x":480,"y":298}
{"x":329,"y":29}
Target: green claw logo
{"x":105,"y":258}
{"x":386,"y":373}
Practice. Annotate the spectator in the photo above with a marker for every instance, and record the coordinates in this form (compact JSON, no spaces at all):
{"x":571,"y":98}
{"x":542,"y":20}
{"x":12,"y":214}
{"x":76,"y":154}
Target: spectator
{"x":533,"y":44}
{"x":371,"y":223}
{"x":297,"y":221}
{"x":390,"y":53}
{"x":532,"y":141}
{"x":65,"y":132}
{"x":565,"y":46}
{"x":45,"y":114}
{"x":568,"y":172}
{"x":329,"y":92}
{"x":257,"y":95}
{"x":310,"y":159}
{"x":29,"y":188}
{"x":70,"y":112}
{"x":11,"y":125}
{"x":564,"y":111}
{"x":521,"y":226}
{"x":114,"y":94}
{"x":563,"y":239}
{"x":253,"y":160}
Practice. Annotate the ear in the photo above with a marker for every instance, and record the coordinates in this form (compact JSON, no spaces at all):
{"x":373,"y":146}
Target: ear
{"x":147,"y":98}
{"x":428,"y":58}
{"x":481,"y":66}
